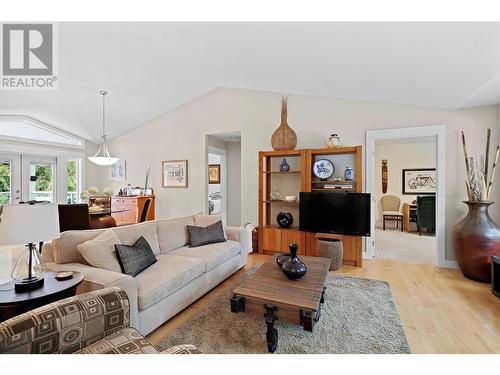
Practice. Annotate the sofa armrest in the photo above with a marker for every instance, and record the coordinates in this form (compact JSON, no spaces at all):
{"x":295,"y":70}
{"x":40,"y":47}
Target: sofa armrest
{"x":48,"y":251}
{"x":182,"y":349}
{"x":67,"y":325}
{"x":103,"y":279}
{"x":242,"y":235}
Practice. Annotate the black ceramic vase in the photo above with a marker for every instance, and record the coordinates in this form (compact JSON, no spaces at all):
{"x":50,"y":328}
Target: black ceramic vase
{"x":284,"y":219}
{"x":282,"y":258}
{"x":293,"y":268}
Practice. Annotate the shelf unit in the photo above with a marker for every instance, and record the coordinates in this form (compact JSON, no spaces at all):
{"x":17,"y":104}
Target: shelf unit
{"x":272,"y":238}
{"x":300,"y":178}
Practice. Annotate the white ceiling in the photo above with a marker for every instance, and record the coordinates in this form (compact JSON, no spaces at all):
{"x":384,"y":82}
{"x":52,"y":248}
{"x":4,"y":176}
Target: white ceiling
{"x":151,"y":68}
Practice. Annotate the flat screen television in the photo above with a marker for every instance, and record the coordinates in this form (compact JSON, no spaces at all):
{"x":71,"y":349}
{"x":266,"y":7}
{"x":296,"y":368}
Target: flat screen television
{"x":335,"y":212}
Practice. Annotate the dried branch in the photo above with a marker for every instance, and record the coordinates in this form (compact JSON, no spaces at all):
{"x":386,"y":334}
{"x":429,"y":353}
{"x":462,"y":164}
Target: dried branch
{"x":493,"y":170}
{"x":467,"y":168}
{"x":487,"y":155}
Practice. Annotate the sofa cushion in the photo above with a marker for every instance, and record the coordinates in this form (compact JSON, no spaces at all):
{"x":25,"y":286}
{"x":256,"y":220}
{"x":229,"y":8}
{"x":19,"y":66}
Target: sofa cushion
{"x":201,"y":220}
{"x":168,"y":274}
{"x":135,"y":258}
{"x":100,"y":251}
{"x":66,"y":251}
{"x":172,"y":233}
{"x":199,"y":236}
{"x":128,"y":234}
{"x":212,"y":255}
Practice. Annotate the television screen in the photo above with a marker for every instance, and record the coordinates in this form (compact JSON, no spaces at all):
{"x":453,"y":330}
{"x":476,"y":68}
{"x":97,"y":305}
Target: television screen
{"x":335,"y":212}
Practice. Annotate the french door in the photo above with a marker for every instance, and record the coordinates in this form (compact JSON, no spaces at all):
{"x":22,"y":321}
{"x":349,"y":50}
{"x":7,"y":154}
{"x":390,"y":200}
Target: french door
{"x":27,"y":178}
{"x":39,"y":178}
{"x":10,"y":178}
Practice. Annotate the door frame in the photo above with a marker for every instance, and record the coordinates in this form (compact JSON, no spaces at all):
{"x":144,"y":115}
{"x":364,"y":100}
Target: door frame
{"x":437,"y":131}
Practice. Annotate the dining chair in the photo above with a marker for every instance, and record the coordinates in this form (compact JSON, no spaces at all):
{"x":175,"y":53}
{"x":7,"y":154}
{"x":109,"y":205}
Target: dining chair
{"x":73,"y":217}
{"x":145,"y":210}
{"x":390,"y":210}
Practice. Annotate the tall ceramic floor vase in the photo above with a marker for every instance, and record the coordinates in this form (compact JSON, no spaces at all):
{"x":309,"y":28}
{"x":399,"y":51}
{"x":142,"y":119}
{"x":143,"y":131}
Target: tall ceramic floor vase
{"x":475,"y":239}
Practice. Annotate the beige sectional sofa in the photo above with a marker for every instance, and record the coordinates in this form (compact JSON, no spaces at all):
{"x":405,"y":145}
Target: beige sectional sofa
{"x":180,"y":276}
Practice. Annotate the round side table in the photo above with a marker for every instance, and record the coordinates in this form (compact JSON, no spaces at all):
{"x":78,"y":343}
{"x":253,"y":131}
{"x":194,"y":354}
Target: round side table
{"x":13,"y":303}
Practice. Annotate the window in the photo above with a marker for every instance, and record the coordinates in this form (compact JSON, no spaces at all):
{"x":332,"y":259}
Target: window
{"x":73,"y":180}
{"x":5,"y":172}
{"x":42,"y":186}
{"x":28,"y":129}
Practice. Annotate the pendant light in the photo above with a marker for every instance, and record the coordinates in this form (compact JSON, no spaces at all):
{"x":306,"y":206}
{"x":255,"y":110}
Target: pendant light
{"x":102,"y":156}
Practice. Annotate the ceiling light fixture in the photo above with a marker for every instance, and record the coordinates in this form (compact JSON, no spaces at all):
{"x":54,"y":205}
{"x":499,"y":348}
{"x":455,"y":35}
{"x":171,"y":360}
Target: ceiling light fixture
{"x":102,"y":156}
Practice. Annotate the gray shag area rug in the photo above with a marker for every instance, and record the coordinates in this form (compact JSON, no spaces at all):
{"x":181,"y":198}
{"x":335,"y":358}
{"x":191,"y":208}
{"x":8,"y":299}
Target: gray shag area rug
{"x":359,"y":316}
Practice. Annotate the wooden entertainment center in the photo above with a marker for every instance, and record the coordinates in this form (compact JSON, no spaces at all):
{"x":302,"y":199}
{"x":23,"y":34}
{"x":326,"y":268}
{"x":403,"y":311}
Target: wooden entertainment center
{"x":274,"y":184}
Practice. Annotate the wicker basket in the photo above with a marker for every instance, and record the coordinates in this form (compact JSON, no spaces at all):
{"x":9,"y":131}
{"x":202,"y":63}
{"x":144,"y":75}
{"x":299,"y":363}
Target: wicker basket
{"x":333,"y":250}
{"x":284,"y":138}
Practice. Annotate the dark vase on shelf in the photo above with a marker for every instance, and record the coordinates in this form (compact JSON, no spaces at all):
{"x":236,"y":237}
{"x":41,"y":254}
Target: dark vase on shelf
{"x":293,"y":268}
{"x":284,"y":166}
{"x":284,"y":219}
{"x":475,"y":239}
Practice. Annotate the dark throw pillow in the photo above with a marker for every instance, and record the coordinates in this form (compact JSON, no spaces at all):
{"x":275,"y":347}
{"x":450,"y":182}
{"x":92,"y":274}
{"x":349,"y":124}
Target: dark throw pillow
{"x":199,"y":236}
{"x":135,"y":258}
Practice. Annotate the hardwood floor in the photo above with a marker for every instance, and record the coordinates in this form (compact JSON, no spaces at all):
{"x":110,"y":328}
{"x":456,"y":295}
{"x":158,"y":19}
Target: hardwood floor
{"x":441,"y":310}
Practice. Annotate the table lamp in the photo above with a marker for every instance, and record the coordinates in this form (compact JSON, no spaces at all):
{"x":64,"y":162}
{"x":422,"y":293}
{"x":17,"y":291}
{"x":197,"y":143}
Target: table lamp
{"x":28,"y":224}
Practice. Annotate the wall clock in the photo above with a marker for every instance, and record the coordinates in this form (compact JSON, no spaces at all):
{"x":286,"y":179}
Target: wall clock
{"x":323,"y":169}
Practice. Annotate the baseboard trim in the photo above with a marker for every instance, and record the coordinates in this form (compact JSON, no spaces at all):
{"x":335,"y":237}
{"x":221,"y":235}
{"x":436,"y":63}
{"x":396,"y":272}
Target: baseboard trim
{"x":448,"y":264}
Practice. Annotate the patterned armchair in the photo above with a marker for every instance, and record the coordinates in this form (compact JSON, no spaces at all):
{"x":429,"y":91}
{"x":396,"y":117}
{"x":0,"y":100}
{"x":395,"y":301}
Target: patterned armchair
{"x":91,"y":323}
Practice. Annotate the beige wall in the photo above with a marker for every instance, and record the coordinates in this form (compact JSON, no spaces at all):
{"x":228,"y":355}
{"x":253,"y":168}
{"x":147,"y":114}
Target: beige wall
{"x":399,"y":156}
{"x":94,"y":174}
{"x":180,"y":134}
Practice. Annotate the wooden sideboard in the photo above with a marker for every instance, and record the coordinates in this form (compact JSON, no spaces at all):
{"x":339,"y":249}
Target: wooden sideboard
{"x":408,"y":211}
{"x":132,"y":207}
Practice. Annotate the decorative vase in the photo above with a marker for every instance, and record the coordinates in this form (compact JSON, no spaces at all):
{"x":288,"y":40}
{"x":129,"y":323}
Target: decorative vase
{"x":275,"y":194}
{"x":349,"y":174}
{"x":293,"y":268}
{"x":475,"y":239}
{"x":284,"y":219}
{"x":284,"y":138}
{"x":284,"y":166}
{"x":333,"y":141}
{"x":282,"y":258}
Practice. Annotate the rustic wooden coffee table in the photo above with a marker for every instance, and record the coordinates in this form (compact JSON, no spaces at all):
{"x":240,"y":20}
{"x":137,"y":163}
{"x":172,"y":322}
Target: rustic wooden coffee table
{"x":268,"y":292}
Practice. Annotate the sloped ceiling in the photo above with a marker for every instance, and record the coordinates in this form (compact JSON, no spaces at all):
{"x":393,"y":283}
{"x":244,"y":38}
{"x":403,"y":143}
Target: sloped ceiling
{"x":151,"y":68}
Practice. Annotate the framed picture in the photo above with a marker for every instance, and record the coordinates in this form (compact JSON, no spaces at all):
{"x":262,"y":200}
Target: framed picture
{"x":419,"y":181}
{"x":214,"y":173}
{"x":175,"y":174}
{"x":117,"y":171}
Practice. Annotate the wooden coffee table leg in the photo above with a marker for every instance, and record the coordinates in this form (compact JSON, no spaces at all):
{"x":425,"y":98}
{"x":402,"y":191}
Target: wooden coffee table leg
{"x":323,"y":295}
{"x":237,"y":304}
{"x":307,"y":320}
{"x":272,"y":333}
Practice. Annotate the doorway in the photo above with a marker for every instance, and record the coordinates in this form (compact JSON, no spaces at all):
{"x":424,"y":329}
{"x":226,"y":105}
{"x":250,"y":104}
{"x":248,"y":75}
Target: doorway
{"x":404,"y":195}
{"x":437,"y":133}
{"x":223,"y":155}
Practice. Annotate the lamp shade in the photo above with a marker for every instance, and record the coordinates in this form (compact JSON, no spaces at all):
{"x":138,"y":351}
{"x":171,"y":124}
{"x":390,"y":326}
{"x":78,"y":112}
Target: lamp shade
{"x":28,"y":223}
